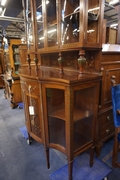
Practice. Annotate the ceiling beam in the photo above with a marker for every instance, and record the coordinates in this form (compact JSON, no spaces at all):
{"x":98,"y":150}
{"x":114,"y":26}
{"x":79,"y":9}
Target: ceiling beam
{"x":7,"y":18}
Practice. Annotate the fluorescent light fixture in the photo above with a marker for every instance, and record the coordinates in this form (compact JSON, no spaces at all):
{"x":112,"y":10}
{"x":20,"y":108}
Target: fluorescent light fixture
{"x":113,"y":1}
{"x":0,"y":10}
{"x":77,"y":8}
{"x":90,"y":31}
{"x":52,"y":31}
{"x":75,"y":30}
{"x":3,"y":2}
{"x":113,"y":25}
{"x":93,"y":9}
{"x":41,"y":38}
{"x":48,"y":33}
{"x":3,"y":12}
{"x":39,"y":16}
{"x":47,"y":2}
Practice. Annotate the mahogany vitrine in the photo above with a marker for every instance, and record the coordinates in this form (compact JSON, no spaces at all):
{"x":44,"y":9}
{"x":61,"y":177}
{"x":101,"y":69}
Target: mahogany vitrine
{"x":60,"y":74}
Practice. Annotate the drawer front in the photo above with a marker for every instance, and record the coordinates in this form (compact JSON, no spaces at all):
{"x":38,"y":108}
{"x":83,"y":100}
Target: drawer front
{"x":30,"y":86}
{"x":106,"y":131}
{"x":105,"y":118}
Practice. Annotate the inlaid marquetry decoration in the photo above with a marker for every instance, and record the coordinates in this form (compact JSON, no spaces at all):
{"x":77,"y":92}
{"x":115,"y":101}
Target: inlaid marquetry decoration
{"x":54,"y":62}
{"x":60,"y":62}
{"x":90,"y":59}
{"x":33,"y":113}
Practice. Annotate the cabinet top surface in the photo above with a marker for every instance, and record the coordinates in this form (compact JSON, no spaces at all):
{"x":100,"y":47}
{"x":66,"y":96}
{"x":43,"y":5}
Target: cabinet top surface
{"x":67,"y":77}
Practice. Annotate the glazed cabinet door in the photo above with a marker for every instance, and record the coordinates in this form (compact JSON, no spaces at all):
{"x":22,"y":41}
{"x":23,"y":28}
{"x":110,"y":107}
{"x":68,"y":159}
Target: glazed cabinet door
{"x":32,"y":106}
{"x":79,"y":23}
{"x":83,"y":117}
{"x":69,"y":113}
{"x":64,"y":23}
{"x":54,"y":116}
{"x":70,"y":118}
{"x":40,"y":23}
{"x":93,"y":22}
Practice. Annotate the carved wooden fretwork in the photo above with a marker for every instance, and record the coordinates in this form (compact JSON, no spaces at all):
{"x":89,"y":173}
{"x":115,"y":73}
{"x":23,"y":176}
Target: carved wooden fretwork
{"x":28,"y":86}
{"x":69,"y":113}
{"x":35,"y":125}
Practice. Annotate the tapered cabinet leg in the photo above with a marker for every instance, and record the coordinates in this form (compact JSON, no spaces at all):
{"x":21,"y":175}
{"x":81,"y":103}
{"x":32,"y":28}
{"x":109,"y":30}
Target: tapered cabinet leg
{"x":47,"y":157}
{"x":70,"y":168}
{"x":92,"y":155}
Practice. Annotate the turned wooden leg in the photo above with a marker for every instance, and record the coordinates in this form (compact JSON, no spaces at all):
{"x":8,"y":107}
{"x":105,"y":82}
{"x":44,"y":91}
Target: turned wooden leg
{"x":70,"y":168}
{"x":47,"y":157}
{"x":98,"y":149}
{"x":92,"y":155}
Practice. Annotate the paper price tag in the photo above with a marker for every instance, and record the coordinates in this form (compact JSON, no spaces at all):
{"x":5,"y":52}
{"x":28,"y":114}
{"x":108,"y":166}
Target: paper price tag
{"x":31,"y":110}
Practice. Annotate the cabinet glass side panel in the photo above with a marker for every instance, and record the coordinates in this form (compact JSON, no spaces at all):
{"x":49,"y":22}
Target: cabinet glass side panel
{"x":56,"y":116}
{"x":83,"y":116}
{"x":93,"y":17}
{"x":34,"y":115}
{"x":29,"y":28}
{"x":16,"y":57}
{"x":70,"y":21}
{"x":51,"y":23}
{"x":39,"y":19}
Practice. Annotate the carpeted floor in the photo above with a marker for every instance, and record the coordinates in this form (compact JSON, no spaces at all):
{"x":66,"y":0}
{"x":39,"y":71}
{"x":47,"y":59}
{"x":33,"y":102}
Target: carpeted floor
{"x":20,"y":161}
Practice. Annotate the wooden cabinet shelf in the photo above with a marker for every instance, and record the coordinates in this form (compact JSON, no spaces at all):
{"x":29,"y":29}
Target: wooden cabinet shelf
{"x":77,"y":114}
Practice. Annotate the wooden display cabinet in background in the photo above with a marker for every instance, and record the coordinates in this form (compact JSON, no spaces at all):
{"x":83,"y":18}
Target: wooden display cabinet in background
{"x":2,"y":67}
{"x":10,"y":76}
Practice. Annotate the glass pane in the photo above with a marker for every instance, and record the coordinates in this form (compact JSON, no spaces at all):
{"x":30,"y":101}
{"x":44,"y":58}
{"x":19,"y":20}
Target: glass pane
{"x":51,"y":23}
{"x":69,"y":21}
{"x":83,"y":116}
{"x":39,"y":18}
{"x":56,"y":116}
{"x":111,"y":28}
{"x":16,"y":57}
{"x":7,"y":58}
{"x":93,"y":16}
{"x":34,"y":115}
{"x":29,"y":24}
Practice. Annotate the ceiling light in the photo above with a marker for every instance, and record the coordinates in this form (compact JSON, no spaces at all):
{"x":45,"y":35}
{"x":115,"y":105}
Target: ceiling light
{"x":47,"y":2}
{"x":113,"y":1}
{"x":39,"y":16}
{"x":3,"y":2}
{"x":0,"y":10}
{"x":93,"y":9}
{"x":113,"y":25}
{"x":53,"y":30}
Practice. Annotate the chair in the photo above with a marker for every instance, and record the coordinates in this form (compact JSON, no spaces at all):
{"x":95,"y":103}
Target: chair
{"x":115,"y":93}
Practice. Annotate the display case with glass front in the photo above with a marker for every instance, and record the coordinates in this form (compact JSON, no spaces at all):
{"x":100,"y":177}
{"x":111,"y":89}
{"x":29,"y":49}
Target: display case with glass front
{"x":2,"y":67}
{"x":60,"y":74}
{"x":11,"y":78}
